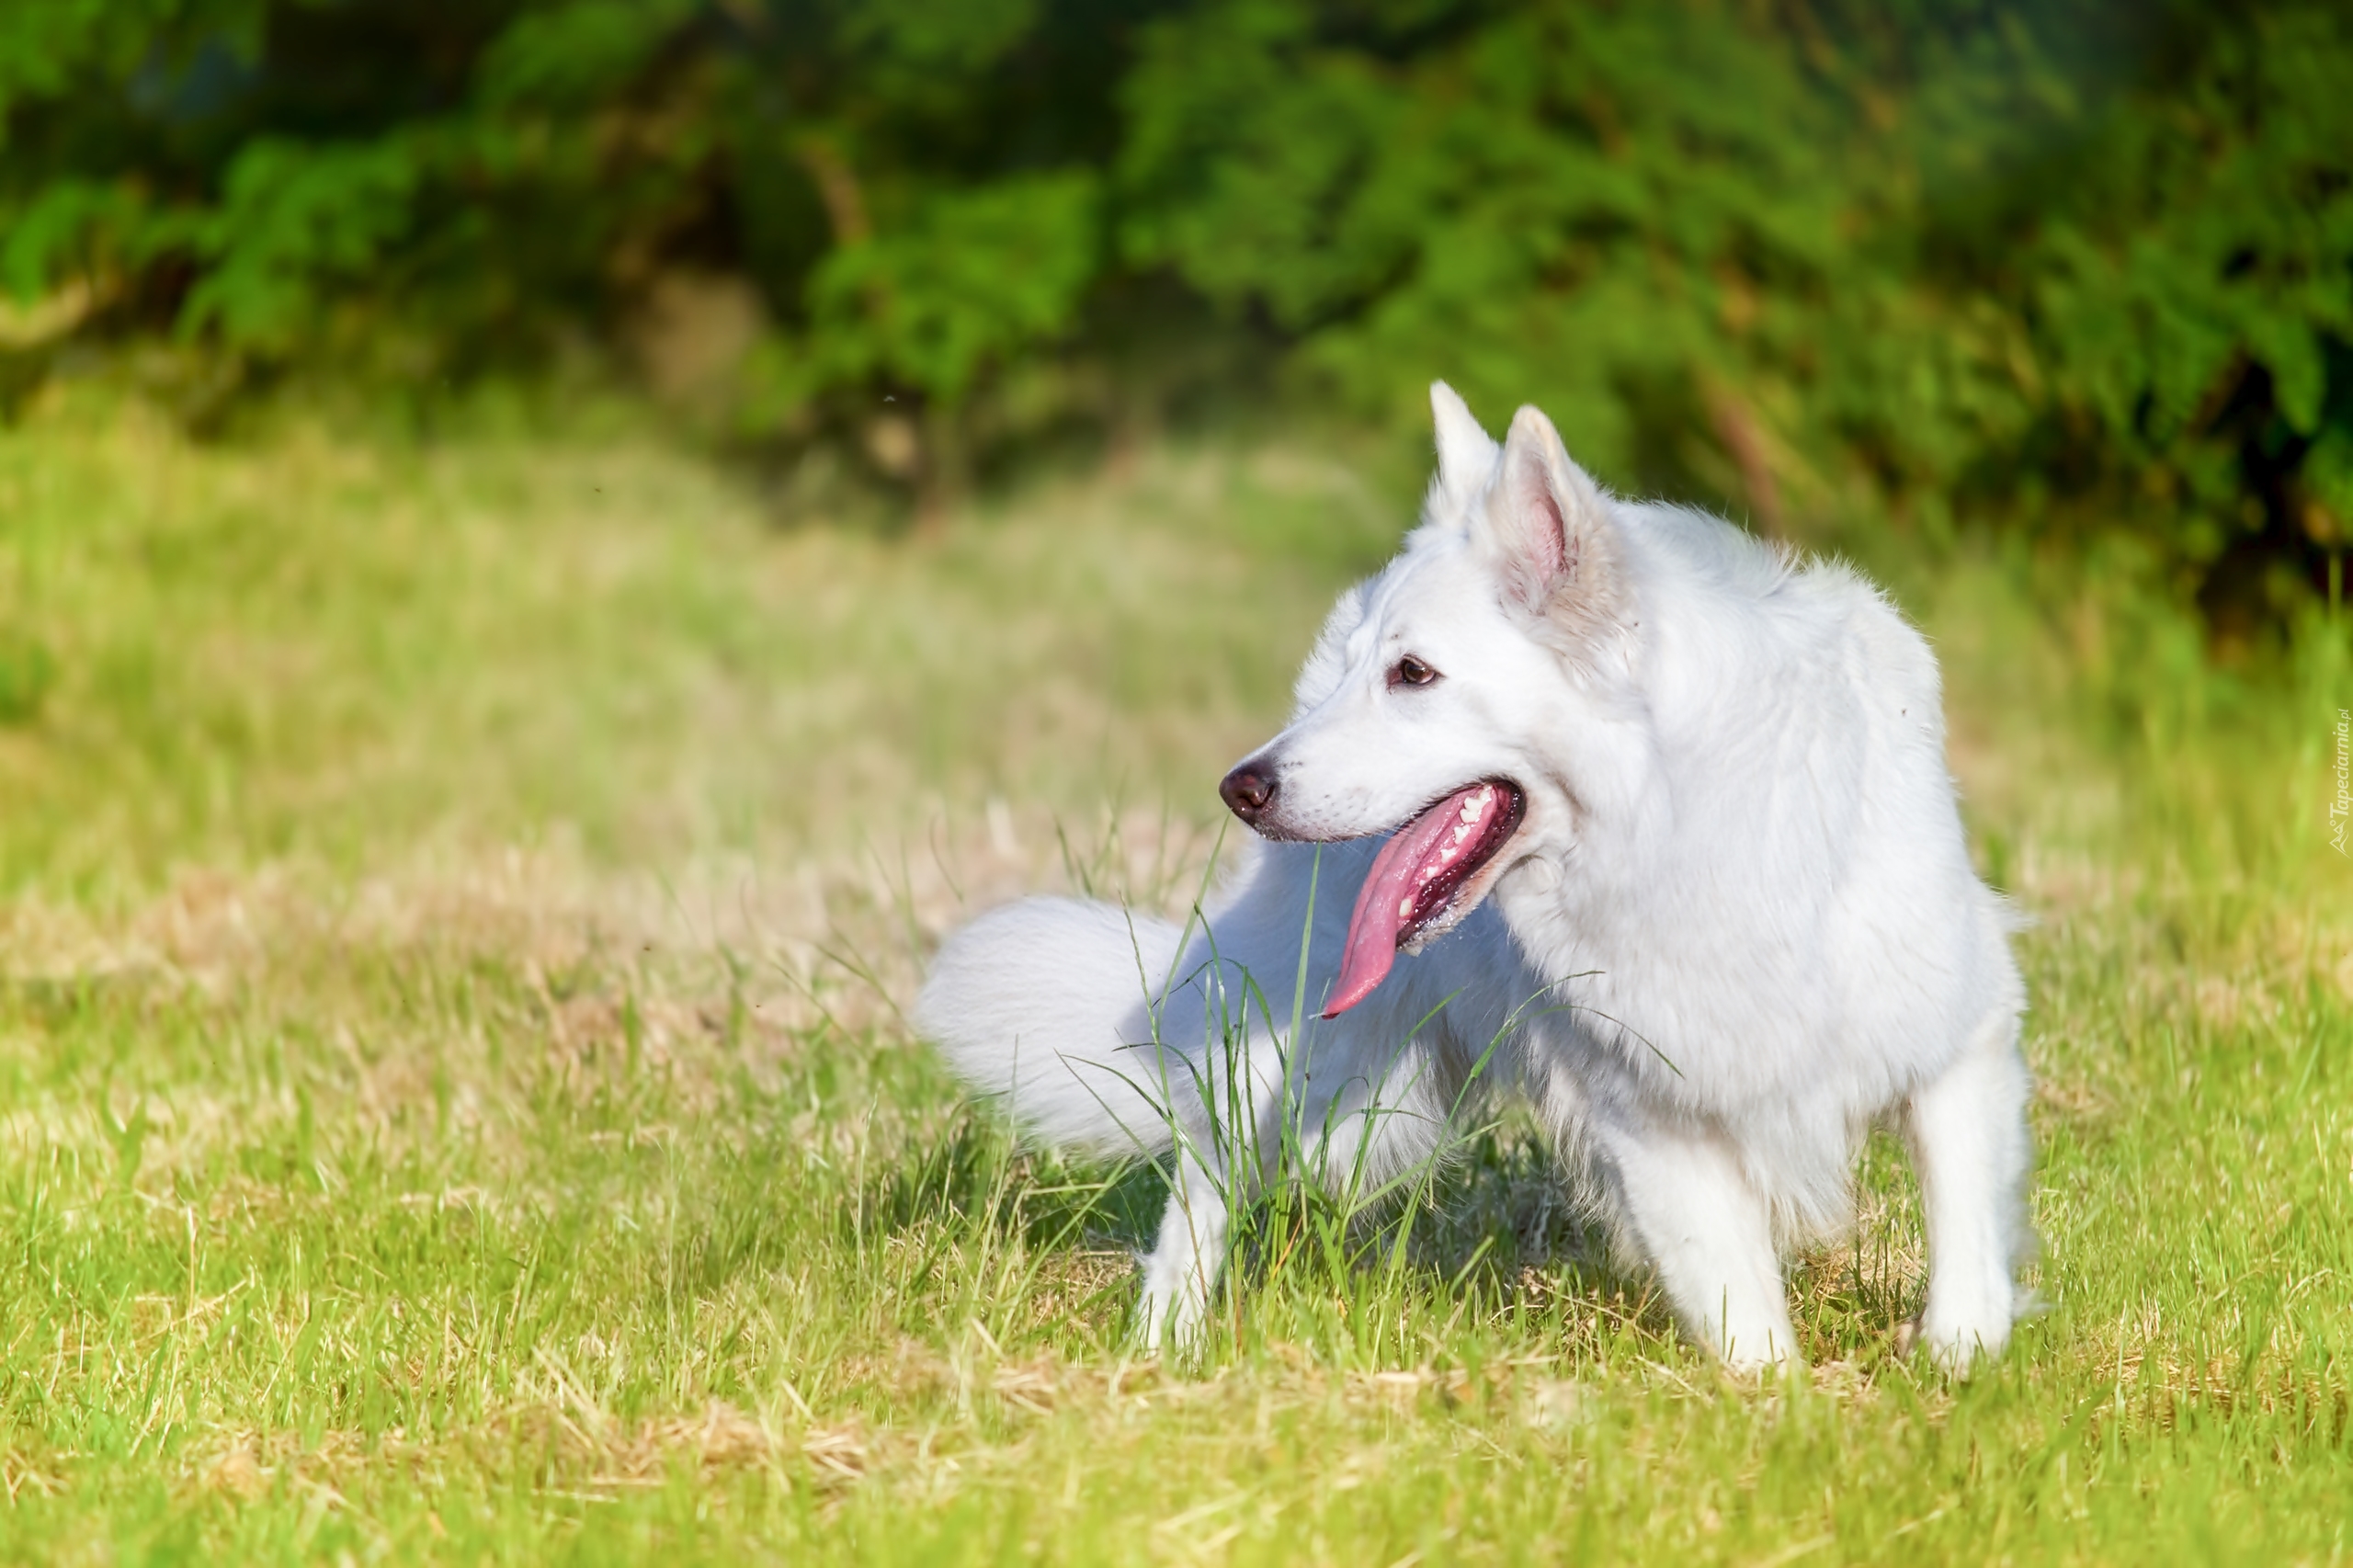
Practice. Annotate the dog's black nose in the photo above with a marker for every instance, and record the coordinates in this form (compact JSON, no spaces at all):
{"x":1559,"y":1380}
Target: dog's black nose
{"x":1248,"y":790}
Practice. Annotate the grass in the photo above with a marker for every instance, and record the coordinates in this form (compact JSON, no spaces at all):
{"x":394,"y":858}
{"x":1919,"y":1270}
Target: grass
{"x":458,"y":898}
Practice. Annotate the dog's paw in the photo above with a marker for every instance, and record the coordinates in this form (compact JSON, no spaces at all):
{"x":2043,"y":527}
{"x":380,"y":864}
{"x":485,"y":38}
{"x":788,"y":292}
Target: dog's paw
{"x":1954,"y":1349}
{"x":1772,"y":1358}
{"x":1169,"y":1313}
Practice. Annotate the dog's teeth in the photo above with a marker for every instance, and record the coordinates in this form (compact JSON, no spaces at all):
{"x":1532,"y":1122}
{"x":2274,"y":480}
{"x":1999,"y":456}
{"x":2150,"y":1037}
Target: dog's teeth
{"x":1404,"y":909}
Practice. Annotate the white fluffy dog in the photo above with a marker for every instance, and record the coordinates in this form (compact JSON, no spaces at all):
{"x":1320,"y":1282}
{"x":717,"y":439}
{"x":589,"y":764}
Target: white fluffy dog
{"x":1604,"y":804}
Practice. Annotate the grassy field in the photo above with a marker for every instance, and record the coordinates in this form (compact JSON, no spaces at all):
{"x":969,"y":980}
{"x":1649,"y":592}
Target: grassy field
{"x":457,"y":899}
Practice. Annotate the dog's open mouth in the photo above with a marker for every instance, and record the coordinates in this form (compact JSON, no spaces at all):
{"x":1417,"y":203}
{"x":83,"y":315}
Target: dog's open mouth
{"x":1411,"y":894}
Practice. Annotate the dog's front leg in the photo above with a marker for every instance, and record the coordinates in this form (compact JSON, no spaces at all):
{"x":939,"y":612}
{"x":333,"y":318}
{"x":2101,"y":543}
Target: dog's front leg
{"x":1187,"y":1256}
{"x":1709,"y":1235}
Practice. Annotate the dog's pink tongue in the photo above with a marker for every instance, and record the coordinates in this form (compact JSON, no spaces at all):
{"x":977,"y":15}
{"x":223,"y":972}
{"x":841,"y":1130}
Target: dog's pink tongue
{"x":1415,"y":855}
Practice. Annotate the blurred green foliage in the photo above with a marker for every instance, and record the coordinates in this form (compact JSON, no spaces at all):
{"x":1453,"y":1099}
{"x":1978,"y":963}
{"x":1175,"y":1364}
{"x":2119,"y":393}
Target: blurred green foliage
{"x":2084,"y":266}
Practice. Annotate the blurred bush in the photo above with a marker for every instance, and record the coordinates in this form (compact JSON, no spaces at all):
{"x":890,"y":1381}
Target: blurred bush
{"x":2077,"y":268}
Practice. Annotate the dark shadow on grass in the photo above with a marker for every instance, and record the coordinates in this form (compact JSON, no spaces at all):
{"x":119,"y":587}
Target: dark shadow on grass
{"x":976,"y":1173}
{"x":1496,"y":1223}
{"x":1495,"y":1228}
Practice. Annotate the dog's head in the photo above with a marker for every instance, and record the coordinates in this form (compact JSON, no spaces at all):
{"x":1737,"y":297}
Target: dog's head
{"x":1444,"y":699}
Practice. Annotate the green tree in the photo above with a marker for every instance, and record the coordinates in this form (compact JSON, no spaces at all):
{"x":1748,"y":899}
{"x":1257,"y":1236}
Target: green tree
{"x":2068,"y":269}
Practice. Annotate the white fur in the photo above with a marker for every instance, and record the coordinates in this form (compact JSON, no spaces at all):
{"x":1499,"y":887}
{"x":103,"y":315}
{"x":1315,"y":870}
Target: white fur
{"x":1736,"y":927}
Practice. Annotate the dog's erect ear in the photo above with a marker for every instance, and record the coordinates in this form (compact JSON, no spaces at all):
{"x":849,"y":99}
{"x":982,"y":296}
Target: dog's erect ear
{"x":1466,"y":454}
{"x":1549,"y":531}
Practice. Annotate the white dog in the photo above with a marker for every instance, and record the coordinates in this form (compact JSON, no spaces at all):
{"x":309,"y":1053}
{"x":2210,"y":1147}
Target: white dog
{"x":1670,"y":849}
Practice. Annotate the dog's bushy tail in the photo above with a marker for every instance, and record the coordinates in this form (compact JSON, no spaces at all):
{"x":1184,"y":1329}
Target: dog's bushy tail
{"x":1046,"y":1004}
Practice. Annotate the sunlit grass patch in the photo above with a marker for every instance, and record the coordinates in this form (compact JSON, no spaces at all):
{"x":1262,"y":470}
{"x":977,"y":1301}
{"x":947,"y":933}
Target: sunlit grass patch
{"x":459,"y":903}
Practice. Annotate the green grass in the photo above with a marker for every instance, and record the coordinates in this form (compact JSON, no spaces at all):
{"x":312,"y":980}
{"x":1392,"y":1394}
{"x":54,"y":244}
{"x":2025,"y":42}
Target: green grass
{"x":457,"y":897}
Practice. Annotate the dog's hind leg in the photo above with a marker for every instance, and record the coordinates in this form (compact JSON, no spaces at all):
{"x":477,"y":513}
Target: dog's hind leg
{"x":1971,"y":1149}
{"x":1700,"y":1221}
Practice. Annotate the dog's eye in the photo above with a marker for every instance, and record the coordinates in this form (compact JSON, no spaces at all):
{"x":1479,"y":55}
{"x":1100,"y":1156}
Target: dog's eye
{"x":1411,"y":671}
